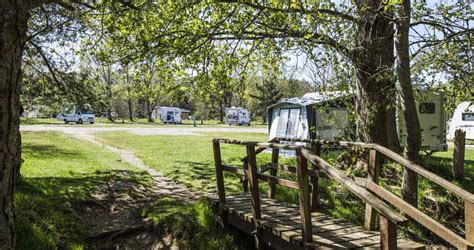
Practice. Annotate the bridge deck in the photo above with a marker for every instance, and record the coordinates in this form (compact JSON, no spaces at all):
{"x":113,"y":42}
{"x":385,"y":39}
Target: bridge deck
{"x":283,"y":220}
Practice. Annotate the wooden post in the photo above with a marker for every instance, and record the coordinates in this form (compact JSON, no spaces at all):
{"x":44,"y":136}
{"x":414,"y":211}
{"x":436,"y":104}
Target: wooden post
{"x":469,"y":220}
{"x":373,"y":172}
{"x":220,"y":180}
{"x":254,"y":191}
{"x":245,"y":181}
{"x":273,"y":172}
{"x":315,"y":180}
{"x":458,"y":154}
{"x":388,"y":234}
{"x":303,"y":193}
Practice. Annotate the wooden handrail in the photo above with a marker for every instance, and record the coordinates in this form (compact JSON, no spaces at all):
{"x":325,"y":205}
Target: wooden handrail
{"x":425,"y":173}
{"x":366,"y":189}
{"x":362,"y":193}
{"x":411,"y":211}
{"x":460,"y":192}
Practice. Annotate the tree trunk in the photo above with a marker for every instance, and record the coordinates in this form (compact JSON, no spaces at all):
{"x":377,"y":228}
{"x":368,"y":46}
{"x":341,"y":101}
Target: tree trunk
{"x":374,"y":59}
{"x":130,"y":109}
{"x":13,"y":24}
{"x":221,"y":110}
{"x":408,"y":105}
{"x":149,"y":110}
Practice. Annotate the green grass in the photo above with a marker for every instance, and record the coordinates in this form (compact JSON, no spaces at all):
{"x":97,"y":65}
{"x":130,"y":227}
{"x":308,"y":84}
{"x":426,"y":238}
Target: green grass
{"x":59,"y":171}
{"x":187,"y":159}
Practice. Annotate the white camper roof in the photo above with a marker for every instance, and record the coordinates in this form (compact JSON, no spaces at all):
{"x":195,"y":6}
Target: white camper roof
{"x":313,"y":98}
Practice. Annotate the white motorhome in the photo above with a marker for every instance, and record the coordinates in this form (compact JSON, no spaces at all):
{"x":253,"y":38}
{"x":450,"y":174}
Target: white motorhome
{"x":237,"y":116}
{"x":325,"y":116}
{"x":463,"y":118}
{"x":170,"y":115}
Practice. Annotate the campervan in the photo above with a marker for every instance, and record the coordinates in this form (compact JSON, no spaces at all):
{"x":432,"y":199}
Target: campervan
{"x":463,"y":118}
{"x":237,"y":116}
{"x":170,"y":115}
{"x":326,"y":116}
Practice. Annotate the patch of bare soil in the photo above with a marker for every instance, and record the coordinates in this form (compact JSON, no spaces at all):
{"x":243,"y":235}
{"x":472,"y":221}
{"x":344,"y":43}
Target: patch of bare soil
{"x":113,"y":216}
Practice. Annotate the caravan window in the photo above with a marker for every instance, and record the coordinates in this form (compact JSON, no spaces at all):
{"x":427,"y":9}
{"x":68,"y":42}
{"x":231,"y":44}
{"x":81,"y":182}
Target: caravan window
{"x":427,"y":108}
{"x":468,"y":116}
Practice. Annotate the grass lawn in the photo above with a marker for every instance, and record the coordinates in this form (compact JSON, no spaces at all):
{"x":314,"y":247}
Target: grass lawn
{"x":59,"y":171}
{"x":189,"y":160}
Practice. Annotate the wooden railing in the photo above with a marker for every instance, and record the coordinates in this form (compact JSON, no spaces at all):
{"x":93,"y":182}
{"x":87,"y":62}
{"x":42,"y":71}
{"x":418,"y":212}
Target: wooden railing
{"x":306,"y":185}
{"x":371,"y":184}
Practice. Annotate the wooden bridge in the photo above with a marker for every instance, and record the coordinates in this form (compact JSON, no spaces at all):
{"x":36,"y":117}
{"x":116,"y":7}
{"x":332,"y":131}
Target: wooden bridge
{"x":289,"y":226}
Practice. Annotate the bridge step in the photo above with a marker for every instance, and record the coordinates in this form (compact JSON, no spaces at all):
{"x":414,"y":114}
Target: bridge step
{"x":283,"y":220}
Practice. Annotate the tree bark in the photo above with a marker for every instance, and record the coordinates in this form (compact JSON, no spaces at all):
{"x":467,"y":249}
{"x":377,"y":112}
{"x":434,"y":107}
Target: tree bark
{"x":373,"y":58}
{"x":13,"y":24}
{"x":130,"y":109}
{"x":149,"y":110}
{"x":408,"y":105}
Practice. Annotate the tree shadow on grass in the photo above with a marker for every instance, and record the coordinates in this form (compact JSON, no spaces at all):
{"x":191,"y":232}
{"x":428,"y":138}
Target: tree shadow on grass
{"x":44,"y":207}
{"x":49,"y":151}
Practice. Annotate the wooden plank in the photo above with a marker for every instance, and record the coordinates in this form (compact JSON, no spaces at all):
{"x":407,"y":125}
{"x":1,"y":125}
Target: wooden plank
{"x":315,"y":180}
{"x":233,"y":169}
{"x":254,"y":191}
{"x":273,"y":172}
{"x":362,"y":193}
{"x":219,"y":174}
{"x":277,"y":180}
{"x":420,"y":217}
{"x":304,"y":199}
{"x":458,"y":154}
{"x":292,"y":169}
{"x":245,"y":181}
{"x":469,"y":220}
{"x":373,"y":172}
{"x":388,"y":234}
{"x":425,"y":173}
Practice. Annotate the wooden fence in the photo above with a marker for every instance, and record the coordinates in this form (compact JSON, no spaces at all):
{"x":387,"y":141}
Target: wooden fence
{"x":378,"y":200}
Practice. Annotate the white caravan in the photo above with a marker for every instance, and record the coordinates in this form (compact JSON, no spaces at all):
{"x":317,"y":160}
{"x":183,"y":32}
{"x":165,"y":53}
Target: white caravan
{"x":430,"y":108}
{"x":170,"y":115}
{"x":237,"y":116}
{"x":325,"y":116}
{"x":463,"y":118}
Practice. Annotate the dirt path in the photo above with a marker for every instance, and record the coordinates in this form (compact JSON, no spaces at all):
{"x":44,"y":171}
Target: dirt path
{"x":114,"y":216}
{"x":166,"y":185}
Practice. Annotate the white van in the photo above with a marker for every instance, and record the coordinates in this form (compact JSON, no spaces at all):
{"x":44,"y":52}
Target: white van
{"x":237,"y":116}
{"x":463,"y":118}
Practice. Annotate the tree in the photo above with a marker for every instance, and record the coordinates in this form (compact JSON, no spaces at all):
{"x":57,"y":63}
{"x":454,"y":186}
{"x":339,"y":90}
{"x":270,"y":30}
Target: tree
{"x":410,"y":182}
{"x":14,"y":17}
{"x":267,"y":92}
